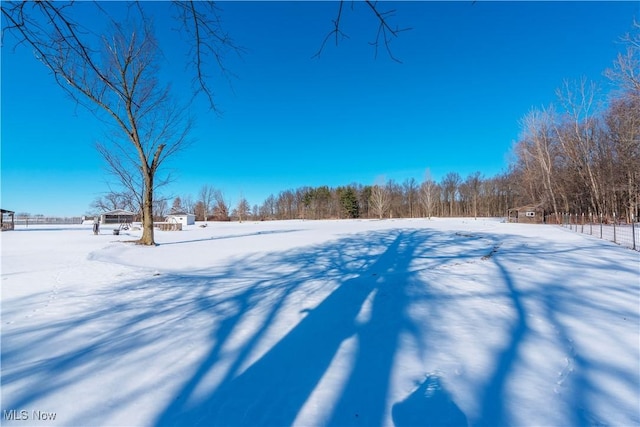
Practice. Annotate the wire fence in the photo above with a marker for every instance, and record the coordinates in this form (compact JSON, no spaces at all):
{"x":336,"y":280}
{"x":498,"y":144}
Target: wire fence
{"x":35,"y":220}
{"x":610,"y":228}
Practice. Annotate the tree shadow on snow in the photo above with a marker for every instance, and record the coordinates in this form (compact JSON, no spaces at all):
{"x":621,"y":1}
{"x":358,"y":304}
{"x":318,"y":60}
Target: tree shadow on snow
{"x":229,"y":236}
{"x":273,"y":389}
{"x":494,"y":397}
{"x":371,"y":283}
{"x":276,"y":325}
{"x":127,"y":324}
{"x":430,"y":405}
{"x":551,"y":301}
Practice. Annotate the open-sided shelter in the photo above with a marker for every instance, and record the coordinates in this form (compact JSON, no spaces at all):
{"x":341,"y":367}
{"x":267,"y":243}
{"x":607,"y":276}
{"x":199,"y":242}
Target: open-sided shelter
{"x":8,"y":220}
{"x":118,"y":216}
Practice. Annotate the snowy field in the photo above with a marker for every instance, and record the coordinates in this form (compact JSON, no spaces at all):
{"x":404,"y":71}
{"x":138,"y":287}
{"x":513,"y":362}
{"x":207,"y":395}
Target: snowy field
{"x":338,"y":323}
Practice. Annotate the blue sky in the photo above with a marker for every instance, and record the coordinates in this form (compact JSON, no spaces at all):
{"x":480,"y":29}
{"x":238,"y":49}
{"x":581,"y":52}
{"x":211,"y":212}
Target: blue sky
{"x":469,"y":72}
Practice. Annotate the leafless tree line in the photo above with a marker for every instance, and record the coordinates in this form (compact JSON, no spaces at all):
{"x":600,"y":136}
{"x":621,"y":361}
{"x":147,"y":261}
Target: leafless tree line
{"x":452,"y":196}
{"x":583,"y":156}
{"x":211,"y":204}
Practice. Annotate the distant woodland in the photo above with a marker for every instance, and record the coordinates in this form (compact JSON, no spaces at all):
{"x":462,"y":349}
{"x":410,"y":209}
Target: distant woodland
{"x":579,"y":154}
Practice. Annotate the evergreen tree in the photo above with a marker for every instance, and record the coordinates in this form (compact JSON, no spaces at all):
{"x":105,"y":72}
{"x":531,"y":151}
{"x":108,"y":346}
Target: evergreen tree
{"x":349,"y":202}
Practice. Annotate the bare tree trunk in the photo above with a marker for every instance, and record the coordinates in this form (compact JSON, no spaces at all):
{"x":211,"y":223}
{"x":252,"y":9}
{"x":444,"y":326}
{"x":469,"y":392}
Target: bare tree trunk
{"x":428,"y":195}
{"x":147,"y":212}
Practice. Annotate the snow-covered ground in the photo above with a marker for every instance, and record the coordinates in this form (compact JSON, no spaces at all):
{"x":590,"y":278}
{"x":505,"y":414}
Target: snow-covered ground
{"x":394,"y":322}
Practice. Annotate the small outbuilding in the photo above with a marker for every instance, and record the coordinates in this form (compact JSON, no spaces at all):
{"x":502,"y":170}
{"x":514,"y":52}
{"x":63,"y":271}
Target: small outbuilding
{"x":8,"y":220}
{"x":183,"y":218}
{"x":531,"y":214}
{"x":118,"y":216}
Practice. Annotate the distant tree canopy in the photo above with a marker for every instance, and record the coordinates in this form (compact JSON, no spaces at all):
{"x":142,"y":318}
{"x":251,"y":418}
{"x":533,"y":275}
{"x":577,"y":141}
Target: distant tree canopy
{"x":490,"y":197}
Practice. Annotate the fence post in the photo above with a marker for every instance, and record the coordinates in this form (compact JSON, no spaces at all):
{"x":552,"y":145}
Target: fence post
{"x":614,"y":228}
{"x":590,"y":224}
{"x":582,"y":226}
{"x":633,"y":232}
{"x":601,"y":225}
{"x":570,"y":223}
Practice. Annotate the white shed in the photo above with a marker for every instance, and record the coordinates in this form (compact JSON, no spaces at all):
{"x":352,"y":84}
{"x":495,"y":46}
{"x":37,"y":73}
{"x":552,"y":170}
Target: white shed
{"x":183,"y":218}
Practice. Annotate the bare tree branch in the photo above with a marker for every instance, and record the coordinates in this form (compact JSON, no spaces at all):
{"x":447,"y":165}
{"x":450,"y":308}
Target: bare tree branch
{"x":201,"y":23}
{"x":337,"y":32}
{"x":385,"y":33}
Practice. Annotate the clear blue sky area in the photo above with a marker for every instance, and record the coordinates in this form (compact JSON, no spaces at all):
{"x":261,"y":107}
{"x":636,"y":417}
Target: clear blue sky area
{"x":469,"y":73}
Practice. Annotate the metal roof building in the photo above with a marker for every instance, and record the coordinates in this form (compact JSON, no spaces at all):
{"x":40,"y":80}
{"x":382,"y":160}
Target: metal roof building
{"x":117,"y":216}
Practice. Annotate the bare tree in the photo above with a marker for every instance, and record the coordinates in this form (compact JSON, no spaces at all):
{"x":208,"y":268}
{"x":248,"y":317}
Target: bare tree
{"x":207,"y":197}
{"x":428,"y":194}
{"x":626,"y":68}
{"x":115,"y":200}
{"x":410,"y":189}
{"x":577,"y":135}
{"x":585,"y":159}
{"x":364,"y":201}
{"x":268,"y":208}
{"x":221,"y":206}
{"x":187,"y":203}
{"x":380,"y":199}
{"x":622,"y":162}
{"x":160,"y":208}
{"x":539,"y":152}
{"x":623,"y":122}
{"x":198,"y":211}
{"x":450,"y":184}
{"x":286,"y":207}
{"x":473,"y":182}
{"x":242,"y":209}
{"x":116,"y":76}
